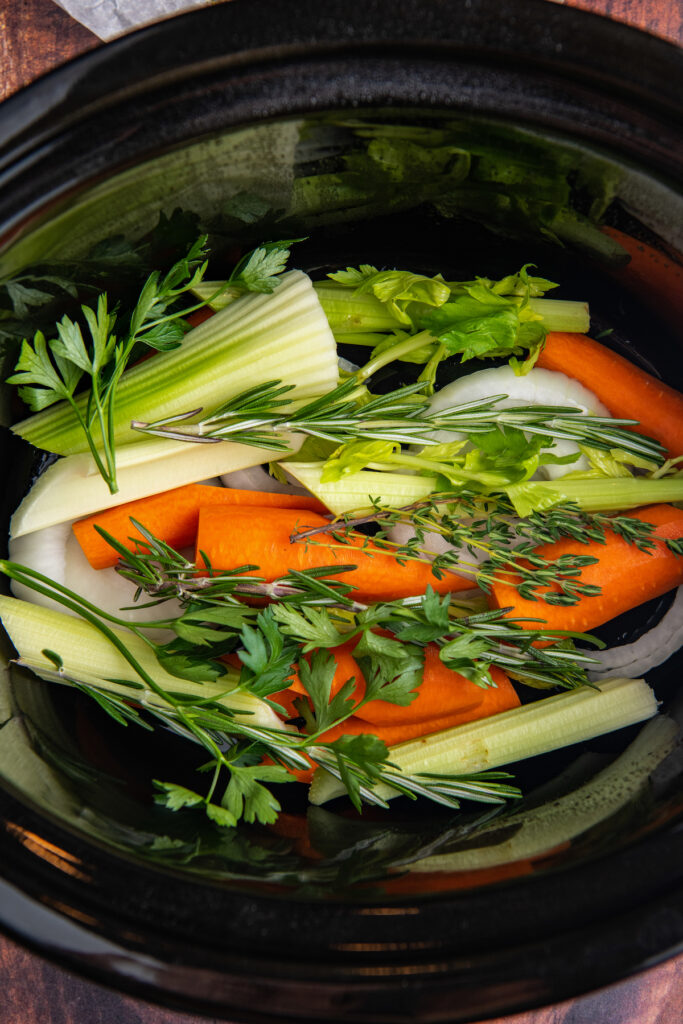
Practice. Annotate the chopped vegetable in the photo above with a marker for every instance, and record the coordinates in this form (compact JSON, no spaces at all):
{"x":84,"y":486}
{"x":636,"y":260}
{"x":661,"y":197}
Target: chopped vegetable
{"x":235,"y":536}
{"x":622,"y":575}
{"x":283,"y":334}
{"x":72,"y":487}
{"x":172,"y":516}
{"x":624,"y":388}
{"x":443,"y":692}
{"x":517,"y":734}
{"x":85,"y":653}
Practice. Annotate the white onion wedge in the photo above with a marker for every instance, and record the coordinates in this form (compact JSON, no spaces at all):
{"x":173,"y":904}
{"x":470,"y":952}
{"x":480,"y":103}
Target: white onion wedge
{"x":538,"y":387}
{"x":651,"y":649}
{"x":56,"y":553}
{"x":257,"y":478}
{"x":72,"y":488}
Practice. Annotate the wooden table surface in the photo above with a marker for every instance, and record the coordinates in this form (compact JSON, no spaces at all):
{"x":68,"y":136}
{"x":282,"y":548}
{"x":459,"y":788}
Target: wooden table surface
{"x":36,"y":35}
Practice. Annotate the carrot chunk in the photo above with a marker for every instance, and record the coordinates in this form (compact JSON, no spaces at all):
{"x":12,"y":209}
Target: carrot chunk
{"x":172,"y":516}
{"x":627,"y":576}
{"x":626,"y":390}
{"x":236,"y":536}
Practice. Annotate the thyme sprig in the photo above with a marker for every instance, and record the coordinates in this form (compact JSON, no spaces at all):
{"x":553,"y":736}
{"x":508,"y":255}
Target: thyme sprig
{"x":265,"y":417}
{"x":474,"y":524}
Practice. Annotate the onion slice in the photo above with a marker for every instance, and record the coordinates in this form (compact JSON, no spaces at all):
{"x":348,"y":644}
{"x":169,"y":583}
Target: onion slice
{"x":537,"y":387}
{"x":649,"y":650}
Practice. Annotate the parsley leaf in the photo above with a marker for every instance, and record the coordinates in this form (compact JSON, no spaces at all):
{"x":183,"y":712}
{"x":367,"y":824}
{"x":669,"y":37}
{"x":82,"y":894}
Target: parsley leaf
{"x":266,"y":659}
{"x":309,"y":625}
{"x":359,"y":761}
{"x":245,"y":796}
{"x":258,"y":270}
{"x":317,"y":675}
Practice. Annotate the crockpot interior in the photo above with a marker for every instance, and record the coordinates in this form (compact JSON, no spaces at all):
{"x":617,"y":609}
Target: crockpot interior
{"x":424,"y":201}
{"x":391,"y":188}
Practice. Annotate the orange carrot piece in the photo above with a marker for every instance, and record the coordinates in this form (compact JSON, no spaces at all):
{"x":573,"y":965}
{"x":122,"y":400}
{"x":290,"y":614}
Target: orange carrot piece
{"x":441,"y":694}
{"x":172,"y":516}
{"x":235,"y":536}
{"x":627,"y":576}
{"x":652,"y":275}
{"x":494,"y":700}
{"x":199,"y":316}
{"x":626,"y":390}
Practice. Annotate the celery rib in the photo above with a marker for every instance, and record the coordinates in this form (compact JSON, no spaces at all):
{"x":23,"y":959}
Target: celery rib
{"x":283,"y":335}
{"x":549,"y":724}
{"x":87,"y":655}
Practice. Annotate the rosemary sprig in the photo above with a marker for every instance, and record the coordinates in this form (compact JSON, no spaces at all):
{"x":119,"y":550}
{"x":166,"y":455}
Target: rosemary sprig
{"x":265,"y":417}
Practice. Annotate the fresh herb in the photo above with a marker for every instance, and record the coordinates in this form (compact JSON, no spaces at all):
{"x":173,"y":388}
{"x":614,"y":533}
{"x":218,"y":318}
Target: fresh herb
{"x":258,"y":270}
{"x":265,"y":416}
{"x":50,"y":371}
{"x":236,"y":747}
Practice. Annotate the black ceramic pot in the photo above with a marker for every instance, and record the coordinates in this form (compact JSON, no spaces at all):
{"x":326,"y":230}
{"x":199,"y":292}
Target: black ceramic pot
{"x":258,"y":117}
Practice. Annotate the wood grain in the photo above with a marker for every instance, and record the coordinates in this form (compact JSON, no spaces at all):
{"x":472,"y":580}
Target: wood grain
{"x":36,"y":35}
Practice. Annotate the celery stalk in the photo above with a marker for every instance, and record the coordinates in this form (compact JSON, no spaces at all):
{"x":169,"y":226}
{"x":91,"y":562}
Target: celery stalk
{"x":72,"y":488}
{"x":601,"y":494}
{"x":87,"y":655}
{"x":279,"y":336}
{"x":349,"y":312}
{"x":562,"y":315}
{"x":531,"y":833}
{"x":549,"y":724}
{"x":362,"y":490}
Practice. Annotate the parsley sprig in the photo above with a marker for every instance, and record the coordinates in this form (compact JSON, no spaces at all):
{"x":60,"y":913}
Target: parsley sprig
{"x":50,"y":371}
{"x":239,"y":780}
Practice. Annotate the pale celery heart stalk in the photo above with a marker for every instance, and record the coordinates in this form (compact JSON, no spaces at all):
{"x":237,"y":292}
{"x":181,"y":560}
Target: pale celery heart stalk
{"x":359,"y":491}
{"x":279,"y":336}
{"x":559,"y":721}
{"x":88,"y":655}
{"x":72,"y":487}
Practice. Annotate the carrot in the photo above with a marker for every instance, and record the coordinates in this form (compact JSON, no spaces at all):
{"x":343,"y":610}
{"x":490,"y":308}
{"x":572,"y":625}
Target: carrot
{"x":199,"y":316}
{"x":626,"y":390}
{"x":441,"y":693}
{"x":627,"y":577}
{"x":652,"y":275}
{"x":347,"y":668}
{"x":235,"y":536}
{"x":171,"y":516}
